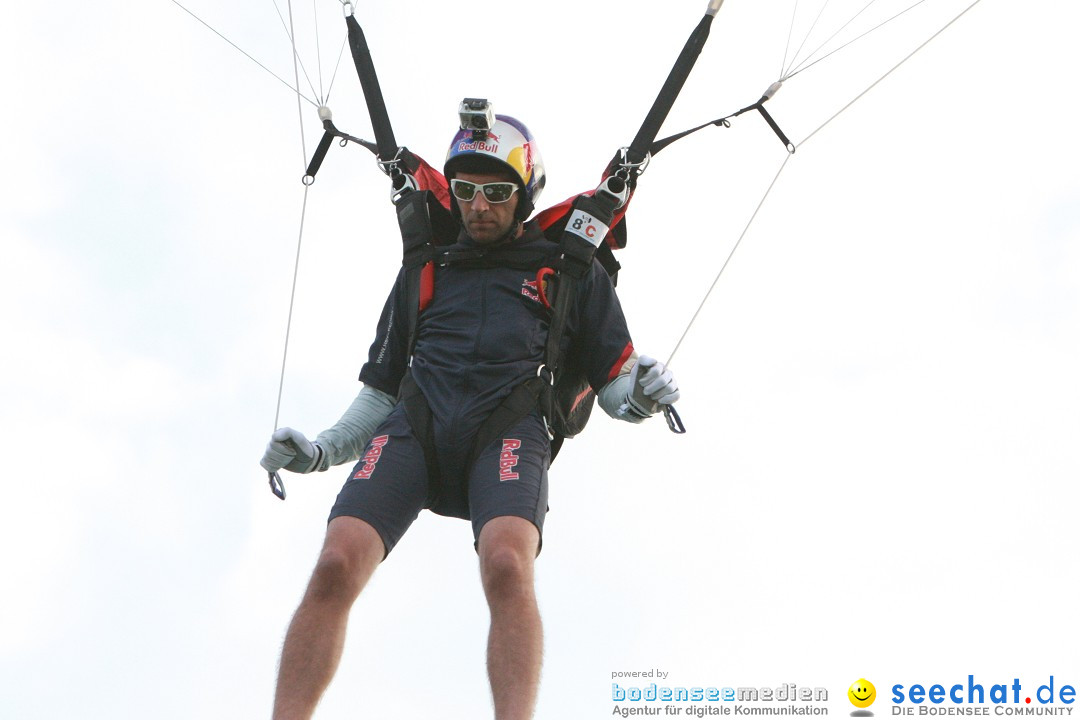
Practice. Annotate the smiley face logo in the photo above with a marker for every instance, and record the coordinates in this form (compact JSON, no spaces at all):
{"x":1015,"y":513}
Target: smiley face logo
{"x":862,"y":693}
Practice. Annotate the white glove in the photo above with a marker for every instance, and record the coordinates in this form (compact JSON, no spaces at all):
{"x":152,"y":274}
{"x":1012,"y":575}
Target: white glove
{"x":651,"y":385}
{"x":289,"y":449}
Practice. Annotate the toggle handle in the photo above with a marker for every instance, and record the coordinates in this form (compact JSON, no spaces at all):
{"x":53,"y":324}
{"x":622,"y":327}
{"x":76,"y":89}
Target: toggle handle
{"x":276,"y":486}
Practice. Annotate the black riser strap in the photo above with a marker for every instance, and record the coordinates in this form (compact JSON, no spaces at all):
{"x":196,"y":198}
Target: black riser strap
{"x":759,"y":106}
{"x":369,"y":81}
{"x":329,"y":134}
{"x":776,"y":128}
{"x":672,"y":86}
{"x":320,"y":153}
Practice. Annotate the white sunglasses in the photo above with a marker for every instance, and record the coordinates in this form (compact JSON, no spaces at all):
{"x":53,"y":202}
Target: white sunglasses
{"x":494,"y":192}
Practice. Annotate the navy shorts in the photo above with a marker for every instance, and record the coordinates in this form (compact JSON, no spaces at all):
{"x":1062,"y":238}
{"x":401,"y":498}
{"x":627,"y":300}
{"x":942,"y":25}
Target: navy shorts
{"x":390,"y":485}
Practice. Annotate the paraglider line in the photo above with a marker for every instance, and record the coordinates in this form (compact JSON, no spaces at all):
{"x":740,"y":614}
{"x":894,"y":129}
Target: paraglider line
{"x":292,"y":303}
{"x":244,"y":53}
{"x":887,"y":74}
{"x":833,"y":36}
{"x":808,"y":34}
{"x":728,"y":260}
{"x":318,"y":47}
{"x":804,"y":66}
{"x":299,"y":243}
{"x":296,"y":73}
{"x":705,"y":299}
{"x":791,"y":29}
{"x":292,"y":42}
{"x":330,"y":87}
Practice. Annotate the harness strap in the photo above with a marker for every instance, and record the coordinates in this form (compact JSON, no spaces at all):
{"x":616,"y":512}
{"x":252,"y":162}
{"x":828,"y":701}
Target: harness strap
{"x":565,"y":293}
{"x":418,"y":412}
{"x":523,"y":400}
{"x":421,"y":217}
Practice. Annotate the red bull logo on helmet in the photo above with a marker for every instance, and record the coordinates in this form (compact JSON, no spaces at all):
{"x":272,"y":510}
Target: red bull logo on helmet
{"x":491,"y":148}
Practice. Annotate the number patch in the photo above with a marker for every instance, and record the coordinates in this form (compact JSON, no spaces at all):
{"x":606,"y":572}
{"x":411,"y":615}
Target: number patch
{"x":587,"y":227}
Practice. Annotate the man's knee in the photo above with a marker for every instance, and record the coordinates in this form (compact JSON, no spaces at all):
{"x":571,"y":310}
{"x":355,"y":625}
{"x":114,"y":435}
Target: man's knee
{"x":508,"y":548}
{"x":350,"y":554}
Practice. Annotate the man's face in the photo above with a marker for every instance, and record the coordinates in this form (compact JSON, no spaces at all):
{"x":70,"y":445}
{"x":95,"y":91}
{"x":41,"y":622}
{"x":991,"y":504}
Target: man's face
{"x":486,"y":222}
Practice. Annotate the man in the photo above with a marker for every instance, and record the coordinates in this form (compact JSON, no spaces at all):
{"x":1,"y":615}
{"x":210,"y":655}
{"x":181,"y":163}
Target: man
{"x":482,"y":336}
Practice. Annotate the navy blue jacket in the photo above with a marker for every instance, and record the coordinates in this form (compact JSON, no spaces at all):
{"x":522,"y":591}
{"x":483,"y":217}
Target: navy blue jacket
{"x":484,"y":333}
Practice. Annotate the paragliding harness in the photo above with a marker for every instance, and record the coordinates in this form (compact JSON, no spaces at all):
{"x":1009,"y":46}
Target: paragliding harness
{"x":559,"y":391}
{"x":421,"y":197}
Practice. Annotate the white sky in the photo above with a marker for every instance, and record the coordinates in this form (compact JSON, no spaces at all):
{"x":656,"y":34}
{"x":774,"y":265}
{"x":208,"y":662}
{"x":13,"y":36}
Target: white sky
{"x":880,"y":474}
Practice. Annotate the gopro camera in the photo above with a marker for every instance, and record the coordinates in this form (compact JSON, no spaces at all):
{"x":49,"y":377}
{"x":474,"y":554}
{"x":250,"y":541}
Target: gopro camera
{"x":477,"y":115}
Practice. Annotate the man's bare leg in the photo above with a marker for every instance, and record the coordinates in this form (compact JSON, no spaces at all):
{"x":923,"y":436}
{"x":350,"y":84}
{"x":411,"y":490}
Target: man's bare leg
{"x":508,"y":547}
{"x":316,"y":636}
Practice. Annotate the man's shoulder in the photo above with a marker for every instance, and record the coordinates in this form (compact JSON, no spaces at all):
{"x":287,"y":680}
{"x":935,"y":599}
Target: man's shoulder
{"x":533,"y":234}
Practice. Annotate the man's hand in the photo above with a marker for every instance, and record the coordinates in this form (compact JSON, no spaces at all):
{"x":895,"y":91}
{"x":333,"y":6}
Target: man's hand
{"x":651,"y":385}
{"x":289,"y":449}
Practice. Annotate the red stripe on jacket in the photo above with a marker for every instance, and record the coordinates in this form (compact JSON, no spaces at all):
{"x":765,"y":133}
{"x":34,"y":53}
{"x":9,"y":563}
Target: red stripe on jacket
{"x":626,"y":353}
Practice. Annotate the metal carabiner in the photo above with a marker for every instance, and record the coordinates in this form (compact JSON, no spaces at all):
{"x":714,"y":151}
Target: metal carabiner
{"x":628,"y":168}
{"x":540,"y":373}
{"x":403,"y":184}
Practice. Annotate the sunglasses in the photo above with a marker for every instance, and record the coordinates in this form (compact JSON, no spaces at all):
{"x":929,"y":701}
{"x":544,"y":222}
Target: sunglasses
{"x":494,"y":192}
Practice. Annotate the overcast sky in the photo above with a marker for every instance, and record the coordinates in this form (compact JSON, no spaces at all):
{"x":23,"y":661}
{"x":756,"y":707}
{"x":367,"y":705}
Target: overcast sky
{"x":879,"y":477}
